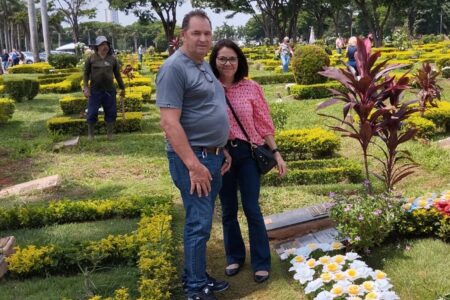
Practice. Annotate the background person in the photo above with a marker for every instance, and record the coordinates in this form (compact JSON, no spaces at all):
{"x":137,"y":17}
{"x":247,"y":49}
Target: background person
{"x":351,"y":50}
{"x":368,"y":43}
{"x":247,"y":99}
{"x":140,"y":53}
{"x":286,"y":52}
{"x":99,"y":70}
{"x":339,"y":44}
{"x":194,"y":118}
{"x":5,"y":59}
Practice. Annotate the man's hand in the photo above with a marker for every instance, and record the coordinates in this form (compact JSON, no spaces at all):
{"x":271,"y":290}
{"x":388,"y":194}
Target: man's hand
{"x":87,"y":92}
{"x":200,"y":180}
{"x":226,"y":163}
{"x":122,"y":93}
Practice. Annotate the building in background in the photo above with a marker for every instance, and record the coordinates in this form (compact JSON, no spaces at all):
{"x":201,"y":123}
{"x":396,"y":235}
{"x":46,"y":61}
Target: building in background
{"x":112,"y":16}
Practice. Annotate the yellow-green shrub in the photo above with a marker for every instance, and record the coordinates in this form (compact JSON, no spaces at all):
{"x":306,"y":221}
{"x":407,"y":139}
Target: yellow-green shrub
{"x":7,"y":108}
{"x":440,"y":115}
{"x":307,"y":143}
{"x":314,"y":91}
{"x":70,"y":84}
{"x":307,"y":61}
{"x":146,"y":92}
{"x":41,"y":67}
{"x":19,"y":88}
{"x":76,"y":125}
{"x":274,"y":78}
{"x":426,"y":128}
{"x":31,"y":259}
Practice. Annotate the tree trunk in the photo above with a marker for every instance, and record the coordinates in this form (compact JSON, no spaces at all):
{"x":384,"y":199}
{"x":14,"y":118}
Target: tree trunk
{"x":33,"y":30}
{"x":44,"y":16}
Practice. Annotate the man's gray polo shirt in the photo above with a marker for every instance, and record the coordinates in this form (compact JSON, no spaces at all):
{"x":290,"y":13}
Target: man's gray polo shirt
{"x":183,"y":84}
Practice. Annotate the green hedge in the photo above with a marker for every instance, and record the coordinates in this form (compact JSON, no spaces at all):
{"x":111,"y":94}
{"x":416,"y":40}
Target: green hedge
{"x":325,"y":171}
{"x":133,"y":102}
{"x":41,"y":67}
{"x":314,"y":91}
{"x":440,"y":115}
{"x":61,"y":61}
{"x":274,"y":78}
{"x":307,"y":143}
{"x":7,"y":108}
{"x":70,"y":84}
{"x":426,"y":128}
{"x":66,"y":211}
{"x":20,"y":88}
{"x":76,"y":125}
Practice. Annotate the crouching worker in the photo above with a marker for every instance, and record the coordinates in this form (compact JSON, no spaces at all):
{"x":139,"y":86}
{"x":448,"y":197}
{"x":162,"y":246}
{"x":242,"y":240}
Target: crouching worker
{"x":99,"y":86}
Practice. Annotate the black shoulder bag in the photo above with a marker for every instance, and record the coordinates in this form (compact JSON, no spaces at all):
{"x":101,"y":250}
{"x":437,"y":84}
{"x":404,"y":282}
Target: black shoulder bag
{"x":261,"y":154}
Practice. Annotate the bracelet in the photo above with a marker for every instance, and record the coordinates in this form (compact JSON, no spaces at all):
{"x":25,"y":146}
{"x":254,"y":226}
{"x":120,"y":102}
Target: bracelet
{"x":275,"y":150}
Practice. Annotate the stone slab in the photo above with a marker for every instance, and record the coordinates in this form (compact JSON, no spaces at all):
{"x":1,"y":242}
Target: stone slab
{"x":26,"y":187}
{"x":298,"y":222}
{"x":67,"y":144}
{"x":3,"y":266}
{"x":445,"y":143}
{"x":328,"y":236}
{"x":7,"y":245}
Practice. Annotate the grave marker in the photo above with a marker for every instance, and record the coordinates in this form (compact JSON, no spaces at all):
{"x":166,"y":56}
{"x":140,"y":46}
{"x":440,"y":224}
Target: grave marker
{"x":38,"y":184}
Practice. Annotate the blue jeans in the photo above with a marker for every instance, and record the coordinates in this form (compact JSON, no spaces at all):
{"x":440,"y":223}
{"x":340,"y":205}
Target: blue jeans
{"x":106,"y":99}
{"x":245,"y":176}
{"x":198,"y":216}
{"x":285,"y":59}
{"x":5,"y":65}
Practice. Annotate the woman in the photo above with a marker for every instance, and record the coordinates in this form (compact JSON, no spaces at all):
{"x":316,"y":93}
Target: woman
{"x":351,"y":50}
{"x":99,"y":70}
{"x":247,"y":99}
{"x":286,"y":52}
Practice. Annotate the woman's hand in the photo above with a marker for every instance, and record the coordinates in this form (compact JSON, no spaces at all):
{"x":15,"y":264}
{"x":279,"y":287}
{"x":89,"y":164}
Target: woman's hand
{"x":226,"y":163}
{"x":87,"y":92}
{"x":281,"y":164}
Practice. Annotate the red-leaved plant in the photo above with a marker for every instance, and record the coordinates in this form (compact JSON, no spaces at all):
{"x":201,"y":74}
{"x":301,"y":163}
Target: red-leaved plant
{"x":425,"y":79}
{"x":366,"y":96}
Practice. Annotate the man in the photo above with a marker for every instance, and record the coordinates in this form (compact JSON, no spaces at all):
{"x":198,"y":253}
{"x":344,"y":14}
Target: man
{"x":5,"y":60}
{"x":140,"y":53}
{"x":194,"y":118}
{"x":98,"y":80}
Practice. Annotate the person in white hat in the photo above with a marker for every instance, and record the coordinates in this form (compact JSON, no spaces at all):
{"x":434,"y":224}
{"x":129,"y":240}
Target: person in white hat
{"x":99,"y":85}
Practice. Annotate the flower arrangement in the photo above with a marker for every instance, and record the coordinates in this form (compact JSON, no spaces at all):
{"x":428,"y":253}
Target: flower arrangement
{"x":440,"y":202}
{"x":326,"y":277}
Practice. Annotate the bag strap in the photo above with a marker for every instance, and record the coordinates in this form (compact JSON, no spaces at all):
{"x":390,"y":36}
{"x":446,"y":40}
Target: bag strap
{"x":238,"y":121}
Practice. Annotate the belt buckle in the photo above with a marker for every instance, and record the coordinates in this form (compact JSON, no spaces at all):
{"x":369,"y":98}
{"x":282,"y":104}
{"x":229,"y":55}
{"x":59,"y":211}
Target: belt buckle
{"x":233,"y":143}
{"x":217,"y":150}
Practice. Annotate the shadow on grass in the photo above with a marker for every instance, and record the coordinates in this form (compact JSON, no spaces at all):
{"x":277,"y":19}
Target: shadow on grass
{"x":394,"y":249}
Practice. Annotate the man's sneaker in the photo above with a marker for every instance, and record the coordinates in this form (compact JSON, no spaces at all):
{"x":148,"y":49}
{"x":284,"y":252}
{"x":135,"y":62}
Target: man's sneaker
{"x":214,"y":284}
{"x":217,"y":285}
{"x":205,"y":294}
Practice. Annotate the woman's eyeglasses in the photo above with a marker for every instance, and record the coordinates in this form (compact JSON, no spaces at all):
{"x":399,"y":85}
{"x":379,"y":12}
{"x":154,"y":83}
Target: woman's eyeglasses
{"x":207,"y":75}
{"x":223,"y":60}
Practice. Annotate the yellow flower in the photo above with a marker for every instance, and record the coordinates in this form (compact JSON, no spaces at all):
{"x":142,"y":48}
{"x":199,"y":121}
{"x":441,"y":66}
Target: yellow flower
{"x":299,"y":259}
{"x":371,"y":296}
{"x":411,"y":200}
{"x":354,"y":298}
{"x":312,"y":246}
{"x":339,"y":276}
{"x":337,"y":290}
{"x":380,"y":275}
{"x":353,"y":289}
{"x":368,"y":285}
{"x":340,"y":259}
{"x":324,"y":259}
{"x":333,"y":267}
{"x":311,"y":263}
{"x":407,"y":206}
{"x":422,"y":203}
{"x":337,"y":246}
{"x":352,"y":273}
{"x":326,"y":277}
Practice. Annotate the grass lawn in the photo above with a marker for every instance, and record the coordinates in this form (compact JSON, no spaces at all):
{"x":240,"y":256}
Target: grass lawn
{"x":135,"y":164}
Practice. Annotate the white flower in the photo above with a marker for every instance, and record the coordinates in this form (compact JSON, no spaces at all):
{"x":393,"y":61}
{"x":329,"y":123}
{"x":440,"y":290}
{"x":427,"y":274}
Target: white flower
{"x":358,"y":264}
{"x":372,"y":296}
{"x":379,"y":275}
{"x":389,"y":296}
{"x":313,"y":286}
{"x":304,"y":275}
{"x":353,"y":298}
{"x":352,"y":255}
{"x":304,"y":251}
{"x":365,"y":272}
{"x":285,"y":255}
{"x":324,"y":295}
{"x":382,"y":285}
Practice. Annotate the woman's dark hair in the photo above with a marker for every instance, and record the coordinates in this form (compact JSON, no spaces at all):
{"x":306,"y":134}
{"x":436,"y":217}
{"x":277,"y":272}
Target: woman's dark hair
{"x":242,"y":69}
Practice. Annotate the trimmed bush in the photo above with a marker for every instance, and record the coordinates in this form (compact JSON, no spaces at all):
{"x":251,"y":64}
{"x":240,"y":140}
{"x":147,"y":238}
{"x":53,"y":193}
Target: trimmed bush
{"x":275,"y":78}
{"x":426,"y":128}
{"x":324,"y":171}
{"x":440,"y":115}
{"x":446,"y":72}
{"x":279,"y":115}
{"x":41,"y":67}
{"x":62,"y":61}
{"x":19,"y":88}
{"x":307,"y":143}
{"x":307,"y":61}
{"x":314,"y":91}
{"x":6,"y":109}
{"x":76,"y":125}
{"x":145,"y":91}
{"x":78,"y":104}
{"x":70,"y":84}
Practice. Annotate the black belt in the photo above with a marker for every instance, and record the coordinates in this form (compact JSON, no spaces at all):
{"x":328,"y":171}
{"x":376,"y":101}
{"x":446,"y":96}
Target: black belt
{"x":210,"y":150}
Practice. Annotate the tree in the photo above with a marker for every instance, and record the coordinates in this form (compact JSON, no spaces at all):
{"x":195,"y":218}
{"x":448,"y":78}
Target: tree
{"x":33,"y":30}
{"x":44,"y":16}
{"x":73,"y":10}
{"x":225,"y":32}
{"x":145,"y":9}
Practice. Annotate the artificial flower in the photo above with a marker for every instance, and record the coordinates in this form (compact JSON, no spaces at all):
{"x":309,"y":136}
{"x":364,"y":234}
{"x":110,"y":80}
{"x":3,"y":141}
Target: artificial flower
{"x":368,"y":286}
{"x":337,"y":290}
{"x":326,"y":277}
{"x":372,"y":296}
{"x":353,"y":290}
{"x":339,"y":259}
{"x":324,"y":259}
{"x":324,"y":295}
{"x":311,"y":263}
{"x":332,"y":267}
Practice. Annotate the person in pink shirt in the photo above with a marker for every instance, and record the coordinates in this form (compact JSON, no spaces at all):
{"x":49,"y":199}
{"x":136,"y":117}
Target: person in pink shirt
{"x":247,"y":100}
{"x":368,"y":43}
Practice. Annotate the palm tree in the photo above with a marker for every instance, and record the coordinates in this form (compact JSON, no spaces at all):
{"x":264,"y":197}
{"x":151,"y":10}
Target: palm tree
{"x":33,"y":30}
{"x":44,"y":16}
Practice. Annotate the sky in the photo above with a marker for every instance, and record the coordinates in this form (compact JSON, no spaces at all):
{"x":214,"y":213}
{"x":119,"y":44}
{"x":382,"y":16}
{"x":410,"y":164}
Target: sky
{"x":216,"y":19}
